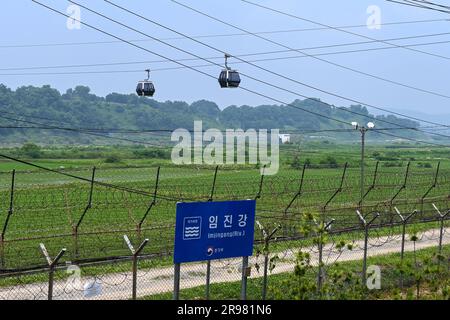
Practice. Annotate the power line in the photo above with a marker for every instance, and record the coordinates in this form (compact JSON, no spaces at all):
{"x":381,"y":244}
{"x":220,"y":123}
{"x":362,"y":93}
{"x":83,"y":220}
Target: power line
{"x":201,"y":65}
{"x":338,"y":29}
{"x":244,"y":61}
{"x":125,"y":130}
{"x":31,"y":116}
{"x":445,"y":9}
{"x":248,"y":90}
{"x":381,"y":131}
{"x":155,"y":131}
{"x":81,"y":131}
{"x":249,"y":54}
{"x":324,"y":60}
{"x":413,"y":140}
{"x":139,"y":131}
{"x":434,"y":4}
{"x":309,"y":86}
{"x":96,"y":182}
{"x":219,"y":35}
{"x":211,"y":62}
{"x":199,"y":71}
{"x":179,"y":63}
{"x":421,"y":4}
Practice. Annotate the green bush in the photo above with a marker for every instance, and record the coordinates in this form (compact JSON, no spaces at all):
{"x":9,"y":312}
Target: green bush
{"x":31,"y":150}
{"x":112,"y":159}
{"x":393,"y":164}
{"x":152,"y":154}
{"x":424,"y":165}
{"x":330,"y":162}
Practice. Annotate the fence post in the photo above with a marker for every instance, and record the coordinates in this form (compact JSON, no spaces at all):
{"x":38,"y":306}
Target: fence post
{"x":442,"y":217}
{"x":298,"y":194}
{"x":399,"y":190}
{"x":322,"y":227}
{"x":52,"y":266}
{"x":404,"y":223}
{"x":88,"y":206}
{"x":261,"y":182}
{"x":135,"y":254}
{"x":245,"y":275}
{"x":372,"y":186}
{"x":366,"y":226}
{"x":267,"y":237}
{"x":324,"y":208}
{"x":213,"y":186}
{"x":152,"y":204}
{"x":422,"y":200}
{"x":208,"y":263}
{"x":10,"y":212}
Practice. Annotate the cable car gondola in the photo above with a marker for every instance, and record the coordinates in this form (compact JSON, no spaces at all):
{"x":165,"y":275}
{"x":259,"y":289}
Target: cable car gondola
{"x":145,"y":88}
{"x":229,"y":78}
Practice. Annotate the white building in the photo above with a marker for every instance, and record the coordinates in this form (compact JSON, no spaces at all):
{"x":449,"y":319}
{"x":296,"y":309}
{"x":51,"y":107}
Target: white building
{"x":285,"y":138}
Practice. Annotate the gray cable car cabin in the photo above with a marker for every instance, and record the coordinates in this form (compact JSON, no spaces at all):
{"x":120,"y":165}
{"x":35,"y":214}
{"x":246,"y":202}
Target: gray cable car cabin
{"x":229,"y":78}
{"x":145,"y":88}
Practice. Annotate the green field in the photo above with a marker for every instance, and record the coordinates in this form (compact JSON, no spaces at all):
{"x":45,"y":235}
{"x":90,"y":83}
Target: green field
{"x":47,"y":205}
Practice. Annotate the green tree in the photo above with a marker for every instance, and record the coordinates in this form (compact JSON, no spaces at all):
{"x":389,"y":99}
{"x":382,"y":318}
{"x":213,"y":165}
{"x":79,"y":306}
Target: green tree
{"x":31,"y":150}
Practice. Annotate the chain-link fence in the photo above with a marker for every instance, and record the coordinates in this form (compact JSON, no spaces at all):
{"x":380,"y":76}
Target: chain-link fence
{"x":152,"y":277}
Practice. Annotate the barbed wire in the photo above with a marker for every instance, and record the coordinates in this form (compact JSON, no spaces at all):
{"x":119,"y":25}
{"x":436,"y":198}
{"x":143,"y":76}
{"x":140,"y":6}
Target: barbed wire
{"x":53,"y":210}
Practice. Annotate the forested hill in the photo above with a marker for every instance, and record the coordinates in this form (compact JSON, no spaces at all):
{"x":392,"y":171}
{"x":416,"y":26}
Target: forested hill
{"x":79,"y":108}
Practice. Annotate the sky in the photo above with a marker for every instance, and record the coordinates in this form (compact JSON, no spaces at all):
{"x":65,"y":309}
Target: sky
{"x":24,"y":23}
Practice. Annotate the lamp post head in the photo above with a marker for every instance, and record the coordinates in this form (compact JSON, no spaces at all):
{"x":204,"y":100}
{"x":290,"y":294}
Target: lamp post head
{"x":355,"y":125}
{"x":370,"y":125}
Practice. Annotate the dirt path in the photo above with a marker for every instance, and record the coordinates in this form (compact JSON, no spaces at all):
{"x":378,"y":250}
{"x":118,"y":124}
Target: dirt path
{"x":160,"y":280}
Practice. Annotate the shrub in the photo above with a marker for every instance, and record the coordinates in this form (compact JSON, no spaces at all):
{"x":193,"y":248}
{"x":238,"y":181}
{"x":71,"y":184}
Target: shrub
{"x":330,"y":162}
{"x":31,"y":150}
{"x":424,"y":165}
{"x":112,"y":159}
{"x":152,"y":154}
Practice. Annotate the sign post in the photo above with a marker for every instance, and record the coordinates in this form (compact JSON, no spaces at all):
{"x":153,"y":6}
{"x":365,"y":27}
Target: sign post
{"x":208,"y":231}
{"x":244,"y":278}
{"x":176,"y":286}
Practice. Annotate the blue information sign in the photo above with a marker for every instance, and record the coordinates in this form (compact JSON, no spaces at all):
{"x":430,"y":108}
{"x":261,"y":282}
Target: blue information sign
{"x":214,"y":230}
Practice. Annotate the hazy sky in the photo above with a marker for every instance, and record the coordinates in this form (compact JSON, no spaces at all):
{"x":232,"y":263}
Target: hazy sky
{"x":24,"y":23}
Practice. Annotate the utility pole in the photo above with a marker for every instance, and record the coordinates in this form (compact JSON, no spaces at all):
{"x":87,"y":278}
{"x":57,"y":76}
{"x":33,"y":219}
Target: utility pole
{"x":362,"y":130}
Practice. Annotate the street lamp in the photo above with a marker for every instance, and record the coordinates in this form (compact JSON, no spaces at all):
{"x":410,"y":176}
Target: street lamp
{"x":363,"y":130}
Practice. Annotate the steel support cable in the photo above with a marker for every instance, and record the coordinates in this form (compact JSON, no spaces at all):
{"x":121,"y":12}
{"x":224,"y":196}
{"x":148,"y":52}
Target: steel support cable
{"x":62,"y":73}
{"x":422,"y":4}
{"x":189,"y":67}
{"x":63,"y":14}
{"x":209,"y":46}
{"x":413,"y":140}
{"x":83,"y":132}
{"x":337,"y":28}
{"x":317,"y":58}
{"x":222,"y":35}
{"x":249,"y":54}
{"x":199,"y":71}
{"x":135,"y":141}
{"x":162,"y":131}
